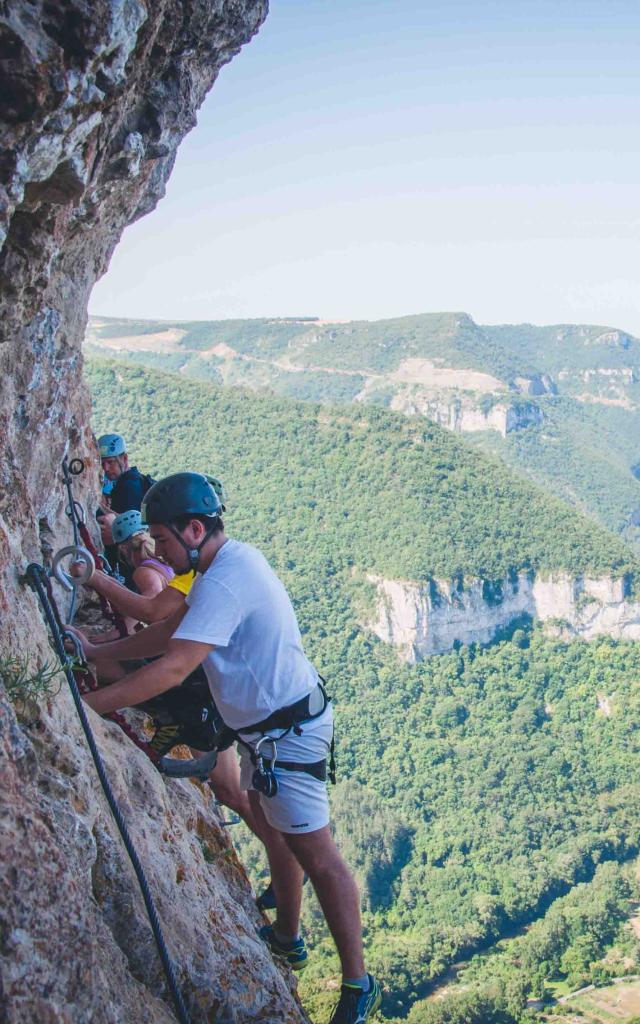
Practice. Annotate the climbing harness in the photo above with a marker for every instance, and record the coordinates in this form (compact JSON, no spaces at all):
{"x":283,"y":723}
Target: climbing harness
{"x":289,"y":719}
{"x":39,"y":581}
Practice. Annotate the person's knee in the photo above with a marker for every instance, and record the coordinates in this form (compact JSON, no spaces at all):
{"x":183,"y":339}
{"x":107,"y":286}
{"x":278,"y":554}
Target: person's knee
{"x":229,"y":795}
{"x":318,"y":855}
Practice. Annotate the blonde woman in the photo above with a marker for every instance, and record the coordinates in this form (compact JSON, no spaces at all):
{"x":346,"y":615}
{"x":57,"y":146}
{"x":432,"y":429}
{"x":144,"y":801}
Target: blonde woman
{"x":150,"y":574}
{"x":159,"y":592}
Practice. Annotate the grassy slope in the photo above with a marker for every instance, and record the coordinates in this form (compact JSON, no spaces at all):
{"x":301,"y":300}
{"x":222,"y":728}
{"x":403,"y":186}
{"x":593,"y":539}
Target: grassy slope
{"x":567,"y":346}
{"x":583,"y":453}
{"x":377,"y":346}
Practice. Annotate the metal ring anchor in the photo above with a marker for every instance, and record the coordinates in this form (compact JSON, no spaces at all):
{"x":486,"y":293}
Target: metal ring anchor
{"x":80,"y":555}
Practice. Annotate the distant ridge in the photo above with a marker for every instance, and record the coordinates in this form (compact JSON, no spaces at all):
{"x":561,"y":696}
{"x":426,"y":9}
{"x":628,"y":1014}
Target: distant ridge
{"x":558,"y":402}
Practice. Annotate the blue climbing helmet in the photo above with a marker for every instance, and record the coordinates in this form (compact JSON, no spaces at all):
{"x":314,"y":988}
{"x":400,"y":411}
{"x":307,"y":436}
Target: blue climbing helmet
{"x":218,"y":487}
{"x":126,"y":525}
{"x":180,"y":494}
{"x":111,"y":445}
{"x":183,"y":494}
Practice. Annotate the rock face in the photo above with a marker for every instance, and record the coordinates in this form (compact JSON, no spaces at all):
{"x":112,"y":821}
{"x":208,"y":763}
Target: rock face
{"x":76,"y":942}
{"x":465,"y":413}
{"x":96,"y":97}
{"x":423,"y":620}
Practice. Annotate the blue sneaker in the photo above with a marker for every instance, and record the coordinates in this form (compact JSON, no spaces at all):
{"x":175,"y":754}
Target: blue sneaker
{"x":356,"y":1006}
{"x":295,"y":953}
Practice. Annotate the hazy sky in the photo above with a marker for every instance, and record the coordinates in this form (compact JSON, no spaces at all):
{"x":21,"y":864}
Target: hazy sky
{"x":372,"y":159}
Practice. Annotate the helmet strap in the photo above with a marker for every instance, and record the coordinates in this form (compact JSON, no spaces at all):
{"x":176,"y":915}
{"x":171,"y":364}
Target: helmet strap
{"x":193,"y":554}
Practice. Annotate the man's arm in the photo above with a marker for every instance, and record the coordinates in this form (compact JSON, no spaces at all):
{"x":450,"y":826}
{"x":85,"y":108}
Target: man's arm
{"x":146,"y":644}
{"x":145,"y":609}
{"x":181,"y":658}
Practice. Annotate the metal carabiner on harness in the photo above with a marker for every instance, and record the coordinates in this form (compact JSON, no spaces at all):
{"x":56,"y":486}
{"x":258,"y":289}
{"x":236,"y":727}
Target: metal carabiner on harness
{"x":264,"y":780}
{"x":80,"y":554}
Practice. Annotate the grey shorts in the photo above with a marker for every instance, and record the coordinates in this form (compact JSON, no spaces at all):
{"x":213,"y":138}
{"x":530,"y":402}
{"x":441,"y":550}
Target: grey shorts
{"x":301,"y":803}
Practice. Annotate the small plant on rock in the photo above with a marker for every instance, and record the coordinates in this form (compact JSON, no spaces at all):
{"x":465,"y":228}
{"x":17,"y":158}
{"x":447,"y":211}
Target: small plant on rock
{"x":24,"y":684}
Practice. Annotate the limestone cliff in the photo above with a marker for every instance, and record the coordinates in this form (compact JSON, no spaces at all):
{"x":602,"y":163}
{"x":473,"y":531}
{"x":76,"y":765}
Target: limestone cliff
{"x":96,"y":97}
{"x":464,"y":413}
{"x":430,"y":619}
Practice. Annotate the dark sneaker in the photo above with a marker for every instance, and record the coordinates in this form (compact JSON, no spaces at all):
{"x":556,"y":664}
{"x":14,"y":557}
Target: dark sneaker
{"x":267,"y":901}
{"x":295,"y":953}
{"x":356,"y":1006}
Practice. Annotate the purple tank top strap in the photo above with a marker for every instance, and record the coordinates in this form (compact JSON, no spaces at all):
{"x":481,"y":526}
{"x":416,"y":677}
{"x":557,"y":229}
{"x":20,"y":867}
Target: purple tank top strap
{"x":153,"y":563}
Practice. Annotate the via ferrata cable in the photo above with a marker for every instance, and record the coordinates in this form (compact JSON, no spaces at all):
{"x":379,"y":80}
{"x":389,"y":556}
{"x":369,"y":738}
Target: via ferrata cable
{"x":36,"y":576}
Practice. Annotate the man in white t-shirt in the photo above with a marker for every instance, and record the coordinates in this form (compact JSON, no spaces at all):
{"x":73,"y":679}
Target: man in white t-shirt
{"x":240,"y":625}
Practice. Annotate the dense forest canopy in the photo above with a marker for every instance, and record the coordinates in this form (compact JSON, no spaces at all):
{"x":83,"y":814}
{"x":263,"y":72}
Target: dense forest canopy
{"x":572,"y":391}
{"x":370,"y":488}
{"x":488,"y":782}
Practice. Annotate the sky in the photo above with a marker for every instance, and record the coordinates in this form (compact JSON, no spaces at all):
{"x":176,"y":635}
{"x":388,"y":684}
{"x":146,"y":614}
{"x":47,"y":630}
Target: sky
{"x":362,"y":160}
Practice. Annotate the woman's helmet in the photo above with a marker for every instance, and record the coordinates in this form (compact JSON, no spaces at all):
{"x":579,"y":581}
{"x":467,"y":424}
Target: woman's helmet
{"x":126,"y":525}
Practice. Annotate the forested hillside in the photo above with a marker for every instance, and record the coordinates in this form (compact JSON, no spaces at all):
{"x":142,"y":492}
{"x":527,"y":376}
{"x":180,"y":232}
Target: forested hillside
{"x":476,"y":787}
{"x":371,"y":489}
{"x":560,"y":403}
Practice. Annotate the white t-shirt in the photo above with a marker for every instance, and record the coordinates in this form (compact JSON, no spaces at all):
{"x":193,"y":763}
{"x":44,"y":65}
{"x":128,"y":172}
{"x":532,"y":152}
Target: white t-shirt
{"x":241,"y":607}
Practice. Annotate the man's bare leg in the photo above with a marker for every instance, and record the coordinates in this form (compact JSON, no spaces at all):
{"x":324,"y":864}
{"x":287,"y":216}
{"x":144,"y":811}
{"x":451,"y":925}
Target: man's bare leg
{"x":225,"y":783}
{"x":337,"y":893}
{"x":286,"y":873}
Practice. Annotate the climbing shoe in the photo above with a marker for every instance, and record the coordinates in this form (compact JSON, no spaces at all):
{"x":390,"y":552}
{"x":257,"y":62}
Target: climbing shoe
{"x":295,"y":953}
{"x":355,"y":1006}
{"x":267,"y":901}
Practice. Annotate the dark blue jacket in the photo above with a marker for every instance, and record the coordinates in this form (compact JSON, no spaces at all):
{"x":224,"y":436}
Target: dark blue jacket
{"x":129,"y":490}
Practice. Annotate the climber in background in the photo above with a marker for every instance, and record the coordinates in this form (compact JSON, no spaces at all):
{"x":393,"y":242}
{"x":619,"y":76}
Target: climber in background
{"x":129,"y":484}
{"x":159,"y":592}
{"x":149,"y":576}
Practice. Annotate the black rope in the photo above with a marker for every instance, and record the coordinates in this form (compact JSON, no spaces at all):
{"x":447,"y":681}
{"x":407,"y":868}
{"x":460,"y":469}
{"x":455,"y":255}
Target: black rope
{"x":35,"y":574}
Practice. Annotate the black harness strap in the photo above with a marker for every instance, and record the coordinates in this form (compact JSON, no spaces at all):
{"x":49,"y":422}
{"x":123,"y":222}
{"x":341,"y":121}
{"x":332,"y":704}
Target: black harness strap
{"x":318,"y":769}
{"x":291,"y":718}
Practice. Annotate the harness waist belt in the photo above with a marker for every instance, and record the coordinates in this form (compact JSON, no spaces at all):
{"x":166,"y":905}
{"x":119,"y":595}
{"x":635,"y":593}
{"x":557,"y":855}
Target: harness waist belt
{"x":316,"y":768}
{"x":287,"y":718}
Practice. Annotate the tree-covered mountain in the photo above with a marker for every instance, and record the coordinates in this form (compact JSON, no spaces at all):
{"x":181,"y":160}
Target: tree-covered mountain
{"x":479,"y":786}
{"x":560,"y":403}
{"x":374,"y":489}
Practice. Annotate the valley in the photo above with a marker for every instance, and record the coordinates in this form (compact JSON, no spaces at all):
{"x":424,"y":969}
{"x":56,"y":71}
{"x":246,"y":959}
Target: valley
{"x":491,"y":779}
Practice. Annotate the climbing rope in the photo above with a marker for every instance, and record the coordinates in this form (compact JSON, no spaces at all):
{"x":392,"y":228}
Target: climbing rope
{"x":39,"y":581}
